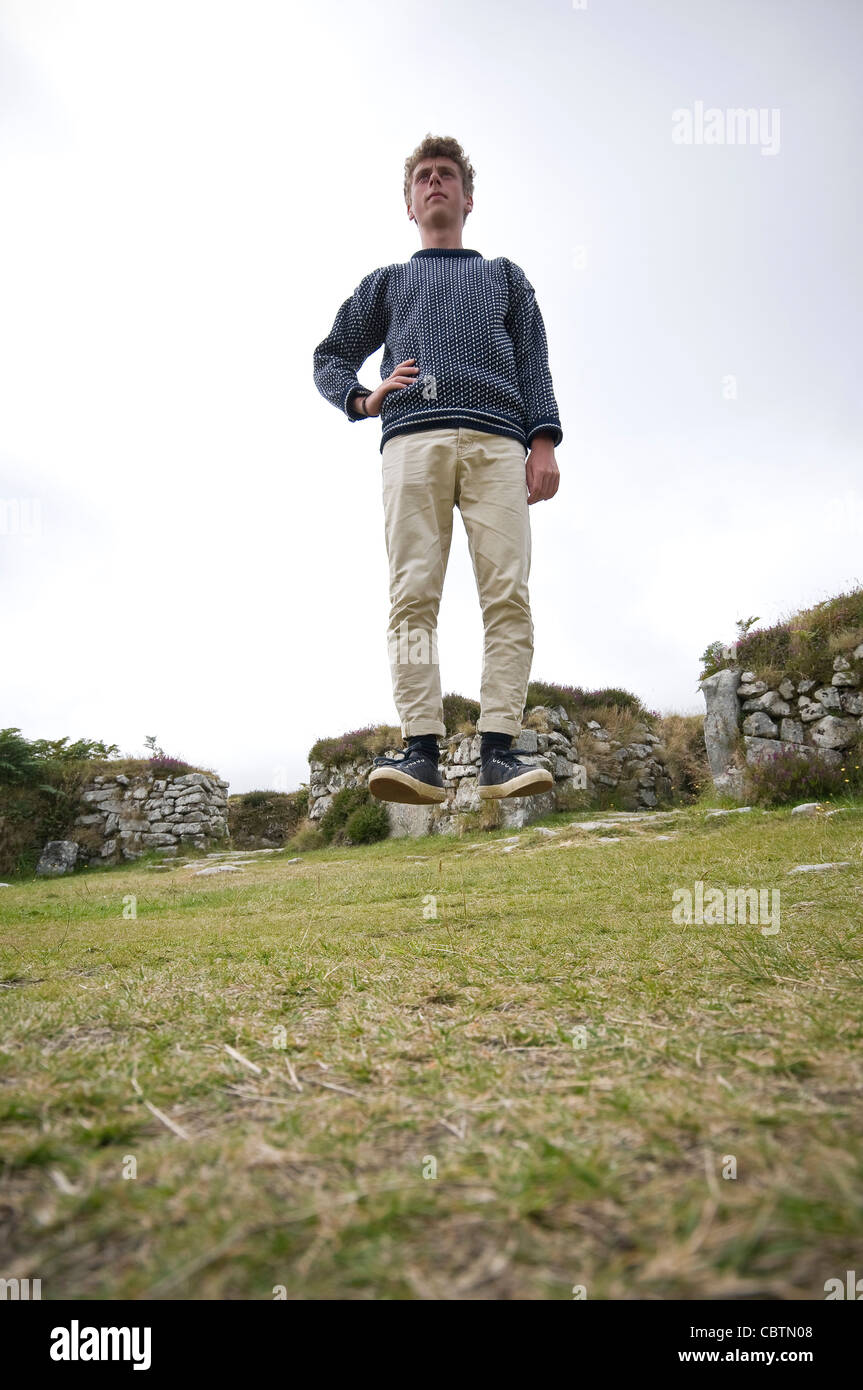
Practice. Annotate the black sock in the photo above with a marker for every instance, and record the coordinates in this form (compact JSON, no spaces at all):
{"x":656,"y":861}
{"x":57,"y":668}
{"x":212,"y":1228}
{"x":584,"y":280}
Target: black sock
{"x":427,"y":742}
{"x":489,"y":742}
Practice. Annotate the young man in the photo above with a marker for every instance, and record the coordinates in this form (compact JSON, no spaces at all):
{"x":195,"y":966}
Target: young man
{"x":469,"y":420}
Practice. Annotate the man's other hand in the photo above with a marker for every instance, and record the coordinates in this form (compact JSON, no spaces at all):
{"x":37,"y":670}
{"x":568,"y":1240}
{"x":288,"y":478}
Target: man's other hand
{"x":541,"y":470}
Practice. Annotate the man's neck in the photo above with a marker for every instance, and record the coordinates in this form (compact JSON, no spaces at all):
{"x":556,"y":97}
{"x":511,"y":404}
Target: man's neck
{"x":441,"y":241}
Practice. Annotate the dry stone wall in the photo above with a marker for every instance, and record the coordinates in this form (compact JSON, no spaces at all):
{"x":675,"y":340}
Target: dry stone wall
{"x":797,"y":715}
{"x":580,"y":758}
{"x":128,"y":815}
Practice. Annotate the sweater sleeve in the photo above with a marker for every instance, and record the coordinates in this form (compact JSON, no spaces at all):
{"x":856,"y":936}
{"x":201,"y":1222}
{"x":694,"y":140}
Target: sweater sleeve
{"x":526,"y":329}
{"x":359,"y":330}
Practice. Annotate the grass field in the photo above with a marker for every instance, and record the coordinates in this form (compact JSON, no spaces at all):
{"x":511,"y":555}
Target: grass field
{"x":541,"y":1087}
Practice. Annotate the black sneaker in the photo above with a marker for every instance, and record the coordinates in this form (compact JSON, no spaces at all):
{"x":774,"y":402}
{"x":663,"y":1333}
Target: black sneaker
{"x":503,"y":775}
{"x":411,"y":778}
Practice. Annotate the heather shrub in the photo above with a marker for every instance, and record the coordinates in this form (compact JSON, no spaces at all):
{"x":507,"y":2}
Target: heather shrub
{"x":787,"y":776}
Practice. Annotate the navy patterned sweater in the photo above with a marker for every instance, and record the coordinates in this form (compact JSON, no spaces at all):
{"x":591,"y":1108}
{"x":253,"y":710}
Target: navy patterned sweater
{"x":477,"y":334}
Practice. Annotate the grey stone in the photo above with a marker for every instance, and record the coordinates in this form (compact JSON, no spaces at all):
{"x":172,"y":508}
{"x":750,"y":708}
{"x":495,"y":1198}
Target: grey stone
{"x":828,"y":696}
{"x":792,"y":731}
{"x":527,"y":742}
{"x":831,"y":732}
{"x":810,"y":709}
{"x":760,"y":725}
{"x":806,"y":808}
{"x":58,"y":857}
{"x":516,"y":812}
{"x":721,"y":726}
{"x":467,"y":798}
{"x":760,"y":750}
{"x":786,"y":689}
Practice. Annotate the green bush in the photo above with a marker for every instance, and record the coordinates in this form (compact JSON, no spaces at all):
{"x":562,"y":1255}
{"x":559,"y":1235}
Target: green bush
{"x":459,"y":710}
{"x":367,"y":824}
{"x":336,"y":815}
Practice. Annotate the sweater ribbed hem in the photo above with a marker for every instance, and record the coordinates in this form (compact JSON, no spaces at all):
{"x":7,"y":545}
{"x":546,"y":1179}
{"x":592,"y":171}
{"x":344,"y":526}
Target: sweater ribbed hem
{"x":452,"y":422}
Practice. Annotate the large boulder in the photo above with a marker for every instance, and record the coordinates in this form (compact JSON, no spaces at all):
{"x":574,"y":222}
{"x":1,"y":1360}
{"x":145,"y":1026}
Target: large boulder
{"x":58,"y":857}
{"x":721,"y":730}
{"x":759,"y":750}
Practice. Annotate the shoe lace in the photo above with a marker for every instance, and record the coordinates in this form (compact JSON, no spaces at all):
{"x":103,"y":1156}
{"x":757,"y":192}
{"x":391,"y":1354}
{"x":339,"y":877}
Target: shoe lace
{"x":505,"y":756}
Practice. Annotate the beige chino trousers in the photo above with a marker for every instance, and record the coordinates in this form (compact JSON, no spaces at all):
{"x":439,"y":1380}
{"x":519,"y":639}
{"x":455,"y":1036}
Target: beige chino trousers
{"x":424,"y":475}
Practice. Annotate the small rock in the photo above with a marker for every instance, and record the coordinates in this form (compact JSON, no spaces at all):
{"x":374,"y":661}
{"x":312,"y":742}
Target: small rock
{"x":218,"y":869}
{"x":816,"y":868}
{"x":806,"y":808}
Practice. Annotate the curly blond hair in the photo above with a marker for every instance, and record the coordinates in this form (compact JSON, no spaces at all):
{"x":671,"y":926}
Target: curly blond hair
{"x":448,"y":148}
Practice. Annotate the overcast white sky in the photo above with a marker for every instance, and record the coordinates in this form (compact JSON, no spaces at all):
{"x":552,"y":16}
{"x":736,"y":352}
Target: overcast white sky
{"x":194,"y":541}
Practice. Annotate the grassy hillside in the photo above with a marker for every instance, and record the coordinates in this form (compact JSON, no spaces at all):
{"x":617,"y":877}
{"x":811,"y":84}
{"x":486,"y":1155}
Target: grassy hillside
{"x":576,"y":1067}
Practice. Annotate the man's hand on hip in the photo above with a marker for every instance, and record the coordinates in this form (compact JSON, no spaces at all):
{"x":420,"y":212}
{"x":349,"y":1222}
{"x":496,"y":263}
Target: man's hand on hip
{"x":541,"y":470}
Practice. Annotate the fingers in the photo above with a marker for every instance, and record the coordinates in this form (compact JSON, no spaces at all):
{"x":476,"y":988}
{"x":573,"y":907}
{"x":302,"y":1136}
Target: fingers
{"x":404,"y":374}
{"x":542,"y":485}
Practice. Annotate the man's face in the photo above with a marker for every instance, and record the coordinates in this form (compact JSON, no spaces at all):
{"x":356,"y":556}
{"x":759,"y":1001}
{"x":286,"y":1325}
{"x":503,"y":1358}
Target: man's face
{"x":437,"y":196}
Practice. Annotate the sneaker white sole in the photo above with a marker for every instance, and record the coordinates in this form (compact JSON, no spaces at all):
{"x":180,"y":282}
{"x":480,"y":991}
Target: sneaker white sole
{"x":531,"y":783}
{"x":388,"y":784}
